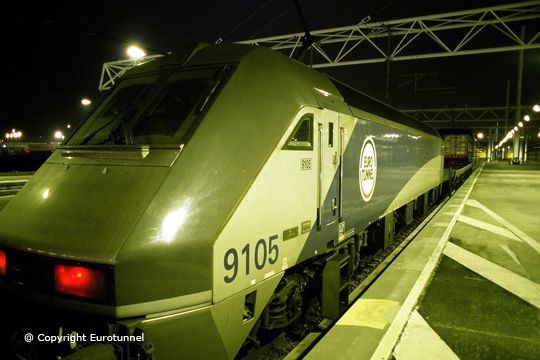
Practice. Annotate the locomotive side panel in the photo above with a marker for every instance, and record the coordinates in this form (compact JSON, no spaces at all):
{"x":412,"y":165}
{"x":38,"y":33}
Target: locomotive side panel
{"x":266,"y":230}
{"x":385,"y":165}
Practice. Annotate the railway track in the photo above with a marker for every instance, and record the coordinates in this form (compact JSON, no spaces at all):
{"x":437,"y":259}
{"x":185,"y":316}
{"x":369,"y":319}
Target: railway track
{"x":295,"y":343}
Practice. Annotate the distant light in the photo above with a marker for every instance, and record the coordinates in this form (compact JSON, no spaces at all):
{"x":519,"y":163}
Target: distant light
{"x":539,"y":134}
{"x":58,"y":135}
{"x":520,"y":124}
{"x":86,"y":101}
{"x":527,"y":118}
{"x":536,"y":108}
{"x":516,"y":128}
{"x":135,"y":52}
{"x":512,"y":131}
{"x":14,"y":134}
{"x":68,"y":126}
{"x":480,"y":135}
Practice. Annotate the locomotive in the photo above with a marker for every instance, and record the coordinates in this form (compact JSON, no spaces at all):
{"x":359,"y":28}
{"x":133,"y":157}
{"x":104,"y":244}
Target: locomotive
{"x":195,"y":205}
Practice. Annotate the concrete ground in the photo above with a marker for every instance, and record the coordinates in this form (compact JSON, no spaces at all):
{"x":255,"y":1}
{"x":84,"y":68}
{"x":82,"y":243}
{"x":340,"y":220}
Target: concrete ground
{"x":484,"y":299}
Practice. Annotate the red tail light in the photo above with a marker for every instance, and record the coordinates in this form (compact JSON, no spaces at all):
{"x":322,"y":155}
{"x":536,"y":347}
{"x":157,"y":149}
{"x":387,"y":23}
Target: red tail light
{"x":80,"y":281}
{"x":2,"y":262}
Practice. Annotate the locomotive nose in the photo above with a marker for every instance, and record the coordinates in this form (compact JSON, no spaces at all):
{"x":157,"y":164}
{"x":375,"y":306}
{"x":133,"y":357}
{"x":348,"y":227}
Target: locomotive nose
{"x":80,"y":210}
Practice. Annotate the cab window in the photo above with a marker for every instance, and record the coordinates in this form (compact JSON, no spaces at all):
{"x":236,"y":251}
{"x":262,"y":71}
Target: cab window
{"x":302,"y":136}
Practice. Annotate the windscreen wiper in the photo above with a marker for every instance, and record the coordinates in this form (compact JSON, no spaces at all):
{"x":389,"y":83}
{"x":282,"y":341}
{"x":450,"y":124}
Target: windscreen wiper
{"x":120,"y":117}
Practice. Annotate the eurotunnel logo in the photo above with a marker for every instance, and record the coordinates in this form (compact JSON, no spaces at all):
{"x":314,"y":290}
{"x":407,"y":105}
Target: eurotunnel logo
{"x":368,"y":169}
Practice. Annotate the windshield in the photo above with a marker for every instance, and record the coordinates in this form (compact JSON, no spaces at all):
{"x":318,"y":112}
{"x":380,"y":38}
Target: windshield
{"x":149,"y":110}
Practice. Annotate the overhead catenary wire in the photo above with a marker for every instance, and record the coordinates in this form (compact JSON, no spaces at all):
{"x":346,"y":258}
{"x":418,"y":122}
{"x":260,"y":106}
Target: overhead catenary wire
{"x":243,"y":22}
{"x":271,"y":22}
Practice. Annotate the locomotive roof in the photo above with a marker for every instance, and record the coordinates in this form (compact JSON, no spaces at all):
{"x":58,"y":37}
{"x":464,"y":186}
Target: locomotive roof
{"x":201,"y":54}
{"x":365,"y":102}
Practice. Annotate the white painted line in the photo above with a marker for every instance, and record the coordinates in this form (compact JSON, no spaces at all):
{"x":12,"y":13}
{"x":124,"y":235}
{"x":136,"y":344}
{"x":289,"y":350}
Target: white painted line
{"x":420,"y":341}
{"x":513,"y":256}
{"x":498,"y":230}
{"x":390,"y":338}
{"x":514,"y":173}
{"x":532,"y":243}
{"x":518,"y":285}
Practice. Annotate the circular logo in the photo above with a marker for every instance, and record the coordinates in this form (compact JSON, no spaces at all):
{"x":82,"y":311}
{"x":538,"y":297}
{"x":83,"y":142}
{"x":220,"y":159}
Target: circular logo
{"x":368,"y":169}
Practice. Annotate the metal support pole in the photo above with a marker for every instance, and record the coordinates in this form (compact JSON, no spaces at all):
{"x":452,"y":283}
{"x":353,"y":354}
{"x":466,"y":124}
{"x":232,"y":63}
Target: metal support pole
{"x":518,"y":100}
{"x":515,"y":155}
{"x":526,"y":145}
{"x":521,"y":144}
{"x":497,"y":137}
{"x":507,"y":106}
{"x":488,"y":155}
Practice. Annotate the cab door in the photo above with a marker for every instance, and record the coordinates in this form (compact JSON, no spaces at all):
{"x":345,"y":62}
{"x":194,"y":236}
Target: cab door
{"x":329,"y":169}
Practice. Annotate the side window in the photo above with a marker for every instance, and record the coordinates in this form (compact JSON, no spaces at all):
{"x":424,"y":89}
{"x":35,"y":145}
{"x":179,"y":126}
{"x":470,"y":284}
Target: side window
{"x":302,"y":136}
{"x":330,"y":134}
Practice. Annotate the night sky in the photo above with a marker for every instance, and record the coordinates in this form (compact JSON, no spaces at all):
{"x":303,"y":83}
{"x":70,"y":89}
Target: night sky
{"x":53,"y":52}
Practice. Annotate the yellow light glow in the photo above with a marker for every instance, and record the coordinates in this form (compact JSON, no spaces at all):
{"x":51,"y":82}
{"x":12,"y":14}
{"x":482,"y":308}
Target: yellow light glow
{"x":86,"y":101}
{"x":14,"y":134}
{"x":480,"y":135}
{"x":45,"y":194}
{"x":516,"y":128}
{"x":536,"y":108}
{"x":527,"y":118}
{"x":520,"y":124}
{"x":58,"y":135}
{"x":135,"y":52}
{"x":172,"y":223}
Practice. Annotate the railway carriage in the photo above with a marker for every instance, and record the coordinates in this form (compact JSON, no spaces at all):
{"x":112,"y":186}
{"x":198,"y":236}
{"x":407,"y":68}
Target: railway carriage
{"x":198,"y":204}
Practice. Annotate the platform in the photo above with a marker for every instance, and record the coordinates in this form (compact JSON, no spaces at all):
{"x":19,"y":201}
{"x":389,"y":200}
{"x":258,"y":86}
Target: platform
{"x":466,"y":288}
